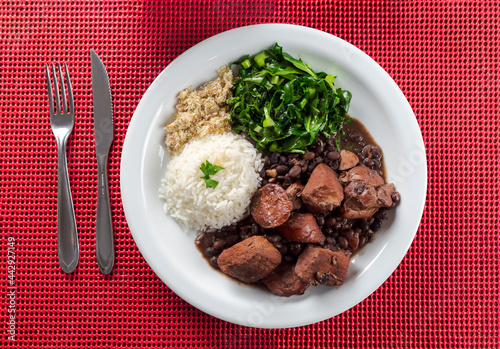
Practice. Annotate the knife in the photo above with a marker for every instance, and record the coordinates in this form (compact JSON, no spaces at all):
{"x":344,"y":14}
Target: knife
{"x":103,"y":128}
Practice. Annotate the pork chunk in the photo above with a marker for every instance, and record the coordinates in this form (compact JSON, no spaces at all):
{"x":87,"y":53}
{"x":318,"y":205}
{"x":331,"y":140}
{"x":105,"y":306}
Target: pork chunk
{"x":347,"y":160}
{"x":294,"y":192}
{"x":317,"y":265}
{"x":323,"y":191}
{"x":250,"y":260}
{"x":384,"y":194}
{"x":362,"y":174}
{"x":364,"y":194}
{"x":283,"y":281}
{"x":351,"y":211}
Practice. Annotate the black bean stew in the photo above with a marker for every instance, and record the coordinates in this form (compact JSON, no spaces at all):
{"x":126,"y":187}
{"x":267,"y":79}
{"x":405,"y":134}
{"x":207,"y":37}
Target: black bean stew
{"x":301,"y":240}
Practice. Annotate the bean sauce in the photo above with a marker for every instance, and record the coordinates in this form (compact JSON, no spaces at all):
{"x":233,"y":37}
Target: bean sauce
{"x":358,"y":140}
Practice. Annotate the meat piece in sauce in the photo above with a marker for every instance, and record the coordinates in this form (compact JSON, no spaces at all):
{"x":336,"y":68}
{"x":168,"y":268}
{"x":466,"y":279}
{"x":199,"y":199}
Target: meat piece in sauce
{"x":270,"y":206}
{"x":323,"y":191}
{"x":350,"y":211}
{"x":353,"y":241}
{"x":250,"y":260}
{"x":347,"y":160}
{"x":384,"y":194}
{"x":365,"y":192}
{"x":283,"y":281}
{"x":302,"y":227}
{"x":363,"y":174}
{"x":294,"y":192}
{"x":317,"y":265}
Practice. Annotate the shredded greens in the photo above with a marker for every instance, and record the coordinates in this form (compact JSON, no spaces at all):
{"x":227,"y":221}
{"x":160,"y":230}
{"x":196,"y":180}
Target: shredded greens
{"x":282,"y":104}
{"x":208,"y":170}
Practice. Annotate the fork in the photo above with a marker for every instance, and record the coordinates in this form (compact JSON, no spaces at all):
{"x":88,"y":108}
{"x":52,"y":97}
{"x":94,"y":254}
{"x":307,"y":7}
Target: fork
{"x":62,"y":121}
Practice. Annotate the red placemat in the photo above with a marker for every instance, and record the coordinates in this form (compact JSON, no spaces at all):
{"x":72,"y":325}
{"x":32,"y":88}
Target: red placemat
{"x":443,"y":55}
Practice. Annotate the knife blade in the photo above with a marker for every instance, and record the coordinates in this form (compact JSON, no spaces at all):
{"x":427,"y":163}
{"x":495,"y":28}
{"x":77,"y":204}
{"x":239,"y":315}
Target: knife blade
{"x":103,"y":128}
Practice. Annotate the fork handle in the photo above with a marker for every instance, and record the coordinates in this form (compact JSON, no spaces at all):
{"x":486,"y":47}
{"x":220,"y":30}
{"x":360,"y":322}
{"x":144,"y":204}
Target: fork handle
{"x":105,"y":250}
{"x":67,"y":237}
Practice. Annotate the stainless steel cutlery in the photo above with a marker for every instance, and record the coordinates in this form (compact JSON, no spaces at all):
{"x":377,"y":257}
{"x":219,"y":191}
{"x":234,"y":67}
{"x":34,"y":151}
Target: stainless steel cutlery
{"x":62,"y":120}
{"x":103,"y":127}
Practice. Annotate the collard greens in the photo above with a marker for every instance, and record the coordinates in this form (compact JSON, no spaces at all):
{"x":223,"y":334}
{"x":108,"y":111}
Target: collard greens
{"x":282,"y":104}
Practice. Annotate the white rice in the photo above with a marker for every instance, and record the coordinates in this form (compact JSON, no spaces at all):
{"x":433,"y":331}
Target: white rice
{"x":190,"y":202}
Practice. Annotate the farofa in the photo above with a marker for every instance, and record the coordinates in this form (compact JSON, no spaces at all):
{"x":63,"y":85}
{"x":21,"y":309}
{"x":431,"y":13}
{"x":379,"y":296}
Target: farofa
{"x":201,"y":112}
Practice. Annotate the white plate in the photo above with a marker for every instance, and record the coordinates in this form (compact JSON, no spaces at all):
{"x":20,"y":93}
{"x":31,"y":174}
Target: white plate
{"x":171,"y":252}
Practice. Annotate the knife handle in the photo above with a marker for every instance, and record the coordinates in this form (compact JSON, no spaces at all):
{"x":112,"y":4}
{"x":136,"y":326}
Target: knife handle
{"x":105,"y":250}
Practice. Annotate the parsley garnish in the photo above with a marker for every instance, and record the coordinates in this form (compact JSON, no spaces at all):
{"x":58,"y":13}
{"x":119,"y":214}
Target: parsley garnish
{"x":208,"y":170}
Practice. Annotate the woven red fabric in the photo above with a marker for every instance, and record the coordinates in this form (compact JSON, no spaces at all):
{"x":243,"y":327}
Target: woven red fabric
{"x":443,"y":55}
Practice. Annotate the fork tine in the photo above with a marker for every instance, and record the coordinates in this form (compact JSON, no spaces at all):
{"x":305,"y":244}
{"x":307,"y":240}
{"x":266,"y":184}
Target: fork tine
{"x":49,"y":88}
{"x":70,"y":90}
{"x":64,"y":105}
{"x":56,"y":90}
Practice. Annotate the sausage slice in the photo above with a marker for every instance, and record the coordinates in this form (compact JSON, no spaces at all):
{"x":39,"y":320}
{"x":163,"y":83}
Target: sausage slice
{"x":270,"y":206}
{"x":302,"y":227}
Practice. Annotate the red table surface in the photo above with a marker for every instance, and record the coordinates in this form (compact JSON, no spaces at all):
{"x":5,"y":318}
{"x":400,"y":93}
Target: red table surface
{"x":442,"y":54}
